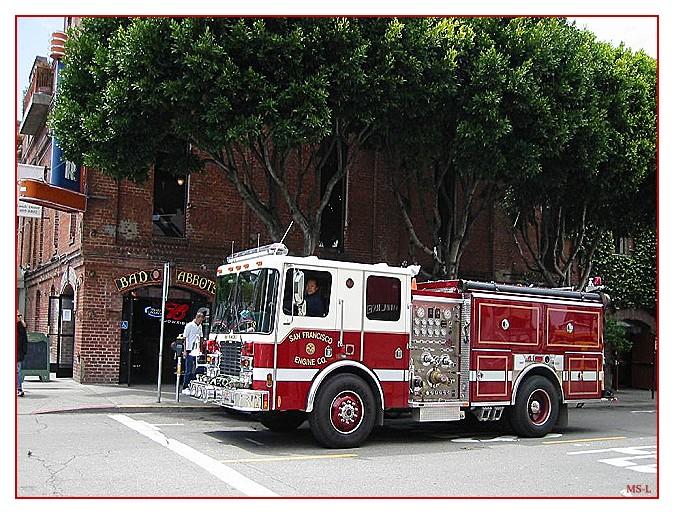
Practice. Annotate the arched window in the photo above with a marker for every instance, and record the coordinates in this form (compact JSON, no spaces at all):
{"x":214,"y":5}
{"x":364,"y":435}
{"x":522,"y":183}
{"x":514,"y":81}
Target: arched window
{"x":38,"y":300}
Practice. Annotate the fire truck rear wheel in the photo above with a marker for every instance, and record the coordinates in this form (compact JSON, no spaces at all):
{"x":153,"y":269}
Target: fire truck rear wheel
{"x":344,"y":412}
{"x":282,"y":421}
{"x":536,"y":408}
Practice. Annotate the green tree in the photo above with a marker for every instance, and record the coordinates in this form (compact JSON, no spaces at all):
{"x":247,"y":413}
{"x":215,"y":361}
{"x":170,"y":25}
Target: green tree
{"x":629,"y":278}
{"x":600,"y":175}
{"x":481,"y":103}
{"x":267,"y":101}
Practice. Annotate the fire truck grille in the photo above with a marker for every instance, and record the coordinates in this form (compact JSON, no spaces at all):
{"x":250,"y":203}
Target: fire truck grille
{"x":230,"y":361}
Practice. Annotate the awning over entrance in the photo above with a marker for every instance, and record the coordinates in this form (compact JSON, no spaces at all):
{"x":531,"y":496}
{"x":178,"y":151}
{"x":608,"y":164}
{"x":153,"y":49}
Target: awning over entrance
{"x":39,"y":192}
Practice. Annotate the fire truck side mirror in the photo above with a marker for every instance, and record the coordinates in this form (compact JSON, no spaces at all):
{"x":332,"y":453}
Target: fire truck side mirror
{"x":298,"y":287}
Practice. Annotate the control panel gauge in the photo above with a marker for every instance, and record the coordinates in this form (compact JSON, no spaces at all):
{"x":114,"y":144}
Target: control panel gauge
{"x":421,"y":312}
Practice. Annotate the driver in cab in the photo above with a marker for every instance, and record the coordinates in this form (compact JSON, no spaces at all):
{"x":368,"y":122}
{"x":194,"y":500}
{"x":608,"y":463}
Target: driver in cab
{"x":313,"y":300}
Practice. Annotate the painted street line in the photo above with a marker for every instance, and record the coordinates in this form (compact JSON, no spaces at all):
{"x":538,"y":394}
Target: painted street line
{"x":499,"y":439}
{"x":632,"y":450}
{"x":629,"y":458}
{"x":224,"y":473}
{"x":643,"y":412}
{"x":569,"y":441}
{"x":292,"y":457}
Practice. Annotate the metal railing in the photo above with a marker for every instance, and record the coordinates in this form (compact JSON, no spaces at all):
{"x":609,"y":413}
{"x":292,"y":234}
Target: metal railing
{"x":42,"y":81}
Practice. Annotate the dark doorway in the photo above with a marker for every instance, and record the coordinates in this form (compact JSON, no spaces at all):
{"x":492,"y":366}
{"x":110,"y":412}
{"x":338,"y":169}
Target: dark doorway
{"x":637,"y":367}
{"x":65,"y":336}
{"x":141,"y":319}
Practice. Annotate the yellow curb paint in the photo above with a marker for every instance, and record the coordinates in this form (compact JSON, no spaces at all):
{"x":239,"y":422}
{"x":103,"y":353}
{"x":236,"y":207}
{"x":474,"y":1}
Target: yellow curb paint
{"x":586,"y":440}
{"x":297,"y":457}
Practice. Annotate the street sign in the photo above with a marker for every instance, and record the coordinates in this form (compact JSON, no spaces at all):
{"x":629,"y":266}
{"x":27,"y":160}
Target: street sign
{"x":27,"y":210}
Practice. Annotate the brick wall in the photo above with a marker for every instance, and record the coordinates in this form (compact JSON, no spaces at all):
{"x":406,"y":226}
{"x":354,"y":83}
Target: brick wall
{"x":114,"y":237}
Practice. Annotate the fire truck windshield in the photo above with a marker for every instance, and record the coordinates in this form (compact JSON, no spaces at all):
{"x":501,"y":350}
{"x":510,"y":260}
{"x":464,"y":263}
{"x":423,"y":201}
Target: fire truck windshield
{"x":246,"y":302}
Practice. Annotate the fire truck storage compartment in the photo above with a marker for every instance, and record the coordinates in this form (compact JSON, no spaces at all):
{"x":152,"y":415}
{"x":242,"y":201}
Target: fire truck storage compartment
{"x":435,"y":349}
{"x":583,"y":376}
{"x":491,"y":380}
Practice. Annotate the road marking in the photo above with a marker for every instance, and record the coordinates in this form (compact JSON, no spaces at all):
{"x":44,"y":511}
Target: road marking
{"x":293,"y":457}
{"x":167,"y":424}
{"x":569,"y":441}
{"x":628,"y":458}
{"x":219,"y":470}
{"x":498,"y":439}
{"x":632,"y":450}
{"x":643,"y":412}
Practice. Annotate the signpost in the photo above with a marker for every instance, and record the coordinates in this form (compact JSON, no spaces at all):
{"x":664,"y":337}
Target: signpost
{"x":164,"y":296}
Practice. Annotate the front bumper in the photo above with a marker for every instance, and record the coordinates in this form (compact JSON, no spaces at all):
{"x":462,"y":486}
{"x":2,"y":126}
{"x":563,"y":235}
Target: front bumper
{"x":245,"y":400}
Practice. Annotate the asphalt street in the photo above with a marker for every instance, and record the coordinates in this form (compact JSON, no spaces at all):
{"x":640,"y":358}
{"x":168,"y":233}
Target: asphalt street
{"x":607,"y":451}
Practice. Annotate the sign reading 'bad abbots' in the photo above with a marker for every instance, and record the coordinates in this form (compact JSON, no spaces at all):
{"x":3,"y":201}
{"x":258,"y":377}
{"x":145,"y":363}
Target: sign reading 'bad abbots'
{"x":155,"y":276}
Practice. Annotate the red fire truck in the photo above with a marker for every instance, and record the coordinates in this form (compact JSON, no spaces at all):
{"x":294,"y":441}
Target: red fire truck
{"x":340,"y":344}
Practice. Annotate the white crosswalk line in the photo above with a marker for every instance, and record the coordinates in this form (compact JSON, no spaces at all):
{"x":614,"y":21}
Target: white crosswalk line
{"x":219,"y":470}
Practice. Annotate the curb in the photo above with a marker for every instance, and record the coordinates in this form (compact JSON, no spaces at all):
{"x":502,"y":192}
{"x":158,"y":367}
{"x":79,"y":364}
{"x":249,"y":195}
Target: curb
{"x":126,"y":409}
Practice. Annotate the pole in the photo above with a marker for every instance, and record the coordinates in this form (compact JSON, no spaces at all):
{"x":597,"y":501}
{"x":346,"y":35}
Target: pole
{"x":178,"y":371}
{"x":161,"y":329}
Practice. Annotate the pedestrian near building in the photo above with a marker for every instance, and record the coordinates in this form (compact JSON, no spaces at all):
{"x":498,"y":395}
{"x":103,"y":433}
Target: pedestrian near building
{"x":21,"y":351}
{"x":193,"y":338}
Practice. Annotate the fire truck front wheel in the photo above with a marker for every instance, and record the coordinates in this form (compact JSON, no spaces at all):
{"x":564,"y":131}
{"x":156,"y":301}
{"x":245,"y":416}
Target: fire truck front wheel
{"x":344,"y":412}
{"x":536,"y":408}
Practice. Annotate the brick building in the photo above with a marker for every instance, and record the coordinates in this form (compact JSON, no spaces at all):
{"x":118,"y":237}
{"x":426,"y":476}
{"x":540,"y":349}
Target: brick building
{"x":90,"y":272}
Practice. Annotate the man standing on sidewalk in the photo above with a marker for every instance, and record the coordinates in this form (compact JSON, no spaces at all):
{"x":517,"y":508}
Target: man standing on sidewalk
{"x":21,"y":350}
{"x":193,"y":337}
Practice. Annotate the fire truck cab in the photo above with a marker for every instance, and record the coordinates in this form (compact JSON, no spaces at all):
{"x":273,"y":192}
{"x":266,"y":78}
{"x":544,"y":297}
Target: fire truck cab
{"x":340,"y":344}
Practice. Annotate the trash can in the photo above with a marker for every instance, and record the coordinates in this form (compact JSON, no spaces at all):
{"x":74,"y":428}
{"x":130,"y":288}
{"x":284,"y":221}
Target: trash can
{"x":36,"y":361}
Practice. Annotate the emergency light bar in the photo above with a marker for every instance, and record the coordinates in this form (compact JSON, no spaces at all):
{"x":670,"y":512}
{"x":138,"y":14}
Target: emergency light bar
{"x":272,"y":249}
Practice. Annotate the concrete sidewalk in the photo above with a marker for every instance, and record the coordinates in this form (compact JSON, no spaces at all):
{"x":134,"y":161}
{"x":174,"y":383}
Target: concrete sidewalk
{"x":67,"y":395}
{"x":635,"y":398}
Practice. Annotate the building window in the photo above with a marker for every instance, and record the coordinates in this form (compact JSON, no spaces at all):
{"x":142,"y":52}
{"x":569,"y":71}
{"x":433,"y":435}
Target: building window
{"x":38,"y":299}
{"x":57,"y":220}
{"x":35,"y":242}
{"x":622,"y":246}
{"x":52,"y":311}
{"x":333,"y":217}
{"x":73,"y":227}
{"x":170,"y":198}
{"x":382,"y":298}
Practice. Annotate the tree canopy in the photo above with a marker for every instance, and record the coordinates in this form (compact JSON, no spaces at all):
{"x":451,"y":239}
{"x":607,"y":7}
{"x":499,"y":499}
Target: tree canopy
{"x":239,"y":93}
{"x":529,"y":112}
{"x":597,"y":172}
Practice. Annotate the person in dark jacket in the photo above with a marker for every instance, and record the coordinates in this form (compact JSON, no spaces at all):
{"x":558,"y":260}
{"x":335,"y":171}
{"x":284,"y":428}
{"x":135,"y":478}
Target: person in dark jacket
{"x":21,"y":350}
{"x":313,"y":299}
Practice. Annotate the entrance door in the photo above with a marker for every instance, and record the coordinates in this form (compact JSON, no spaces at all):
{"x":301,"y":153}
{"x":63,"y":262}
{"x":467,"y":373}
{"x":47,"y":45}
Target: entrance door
{"x":66,"y":335}
{"x":140,"y":339}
